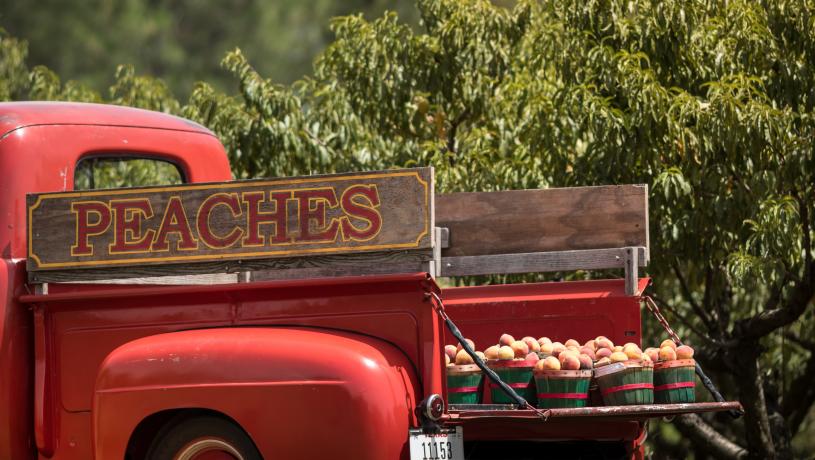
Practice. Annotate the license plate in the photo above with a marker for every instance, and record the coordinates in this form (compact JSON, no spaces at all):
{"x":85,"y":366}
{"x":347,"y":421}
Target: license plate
{"x":448,"y":444}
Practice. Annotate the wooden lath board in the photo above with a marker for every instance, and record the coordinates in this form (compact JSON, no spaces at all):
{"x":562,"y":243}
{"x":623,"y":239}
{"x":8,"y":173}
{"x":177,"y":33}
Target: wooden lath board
{"x":547,"y":220}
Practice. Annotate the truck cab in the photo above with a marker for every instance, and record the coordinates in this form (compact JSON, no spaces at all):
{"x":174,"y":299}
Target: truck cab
{"x":253,"y":363}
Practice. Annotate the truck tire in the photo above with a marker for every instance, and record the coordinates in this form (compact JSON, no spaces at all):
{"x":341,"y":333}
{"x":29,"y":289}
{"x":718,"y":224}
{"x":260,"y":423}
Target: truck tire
{"x":203,"y":438}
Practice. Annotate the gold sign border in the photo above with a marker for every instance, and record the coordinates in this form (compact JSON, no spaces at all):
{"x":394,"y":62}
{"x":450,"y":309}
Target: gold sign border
{"x":228,"y":185}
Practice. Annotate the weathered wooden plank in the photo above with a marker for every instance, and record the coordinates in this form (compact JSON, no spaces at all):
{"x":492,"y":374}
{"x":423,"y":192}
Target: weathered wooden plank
{"x":364,"y":264}
{"x":148,"y":231}
{"x":588,"y":259}
{"x":174,"y":280}
{"x":348,"y":264}
{"x":558,"y":219}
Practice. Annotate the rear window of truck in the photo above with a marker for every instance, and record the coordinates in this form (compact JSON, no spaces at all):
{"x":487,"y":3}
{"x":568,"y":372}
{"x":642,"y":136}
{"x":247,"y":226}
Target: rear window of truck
{"x":117,"y":172}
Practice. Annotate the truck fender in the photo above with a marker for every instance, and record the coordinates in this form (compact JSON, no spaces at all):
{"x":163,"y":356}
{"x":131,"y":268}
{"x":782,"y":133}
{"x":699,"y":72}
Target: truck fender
{"x":297,"y":392}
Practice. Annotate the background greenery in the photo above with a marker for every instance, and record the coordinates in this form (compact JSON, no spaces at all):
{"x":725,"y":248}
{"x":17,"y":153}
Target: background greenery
{"x":709,"y":102}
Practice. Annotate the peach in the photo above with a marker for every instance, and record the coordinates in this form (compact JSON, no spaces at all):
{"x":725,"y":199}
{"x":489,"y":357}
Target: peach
{"x":572,"y":343}
{"x":550,"y":363}
{"x":646,"y":358}
{"x":652,"y":353}
{"x":569,"y":361}
{"x":588,"y":351}
{"x":469,"y":342}
{"x":506,"y":352}
{"x":451,"y":351}
{"x":603,"y":342}
{"x":481,"y":355}
{"x":557,"y":347}
{"x":492,"y":352}
{"x":585,"y":361}
{"x":544,"y":340}
{"x":684,"y":352}
{"x":602,"y":362}
{"x":531,"y":343}
{"x":506,"y":339}
{"x":602,"y":353}
{"x":463,"y":358}
{"x":532,"y":357}
{"x":668,"y":343}
{"x":446,"y":360}
{"x":520,"y":349}
{"x":617,"y":348}
{"x":618,"y":357}
{"x":667,"y":353}
{"x":547,"y":348}
{"x":573,"y":348}
{"x":633,"y":353}
{"x":590,"y":344}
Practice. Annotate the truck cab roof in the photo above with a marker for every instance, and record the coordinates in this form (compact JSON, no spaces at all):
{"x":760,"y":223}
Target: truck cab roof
{"x":16,"y":115}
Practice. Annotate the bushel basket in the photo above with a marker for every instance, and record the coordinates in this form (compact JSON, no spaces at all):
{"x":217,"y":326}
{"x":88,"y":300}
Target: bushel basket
{"x":675,"y":381}
{"x":626,"y":383}
{"x":557,"y":389}
{"x":464,"y":384}
{"x":518,"y":375}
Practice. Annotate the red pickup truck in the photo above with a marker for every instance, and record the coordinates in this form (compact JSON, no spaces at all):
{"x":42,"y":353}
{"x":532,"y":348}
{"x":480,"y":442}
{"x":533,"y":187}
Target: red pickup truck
{"x":316,"y":367}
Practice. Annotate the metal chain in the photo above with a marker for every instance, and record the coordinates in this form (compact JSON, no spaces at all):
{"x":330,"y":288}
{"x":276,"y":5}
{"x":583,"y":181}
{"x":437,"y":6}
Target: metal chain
{"x":654,"y":309}
{"x":711,"y":387}
{"x":439,"y":307}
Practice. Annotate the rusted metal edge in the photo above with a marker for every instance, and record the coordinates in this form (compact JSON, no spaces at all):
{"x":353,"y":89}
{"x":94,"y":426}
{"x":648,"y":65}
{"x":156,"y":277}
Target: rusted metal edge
{"x":616,"y":412}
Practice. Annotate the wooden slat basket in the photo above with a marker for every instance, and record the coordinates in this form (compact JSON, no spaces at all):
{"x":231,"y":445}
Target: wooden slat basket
{"x":464,"y":384}
{"x":675,"y":381}
{"x":626,"y":383}
{"x":559,"y":389}
{"x":518,"y":375}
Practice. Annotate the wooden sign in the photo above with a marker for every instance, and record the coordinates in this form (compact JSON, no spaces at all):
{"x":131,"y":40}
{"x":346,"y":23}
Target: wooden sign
{"x":245,"y":220}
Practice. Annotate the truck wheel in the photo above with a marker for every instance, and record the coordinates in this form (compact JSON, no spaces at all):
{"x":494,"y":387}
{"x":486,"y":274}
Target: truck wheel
{"x":203,"y":438}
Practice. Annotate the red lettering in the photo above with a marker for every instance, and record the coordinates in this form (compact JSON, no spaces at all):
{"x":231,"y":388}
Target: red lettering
{"x":174,"y":221}
{"x":255,"y":217}
{"x":85,"y":229}
{"x":316,"y":214}
{"x":367,"y":212}
{"x":205,"y":232}
{"x":127,"y":219}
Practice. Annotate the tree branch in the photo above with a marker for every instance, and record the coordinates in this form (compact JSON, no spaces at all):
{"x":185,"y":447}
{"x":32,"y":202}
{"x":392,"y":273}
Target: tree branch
{"x":451,"y":133}
{"x":689,"y":296}
{"x":800,"y":397}
{"x":751,"y":395}
{"x":684,"y":320}
{"x":702,"y":434}
{"x":808,"y":345}
{"x":768,"y":320}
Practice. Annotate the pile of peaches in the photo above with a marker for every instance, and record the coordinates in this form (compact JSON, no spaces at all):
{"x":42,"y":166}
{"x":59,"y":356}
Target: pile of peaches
{"x":571,"y":355}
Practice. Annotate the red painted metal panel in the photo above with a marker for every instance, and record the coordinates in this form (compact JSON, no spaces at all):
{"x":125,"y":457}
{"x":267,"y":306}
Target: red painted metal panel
{"x":580,"y":310}
{"x":18,"y":115}
{"x":300,"y":393}
{"x":16,"y":358}
{"x":86,"y":325}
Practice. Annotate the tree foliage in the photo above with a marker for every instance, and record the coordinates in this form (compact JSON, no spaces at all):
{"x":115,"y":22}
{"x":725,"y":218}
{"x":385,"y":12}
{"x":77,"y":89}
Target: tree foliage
{"x":710,"y":102}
